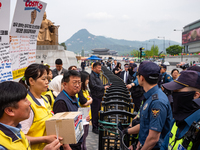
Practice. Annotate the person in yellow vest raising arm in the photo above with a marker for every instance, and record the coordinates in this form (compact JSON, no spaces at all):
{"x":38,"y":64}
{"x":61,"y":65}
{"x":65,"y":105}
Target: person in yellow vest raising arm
{"x":35,"y":78}
{"x":15,"y":107}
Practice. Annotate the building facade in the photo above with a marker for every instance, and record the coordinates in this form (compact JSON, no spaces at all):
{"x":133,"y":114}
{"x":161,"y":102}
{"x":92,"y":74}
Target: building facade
{"x":104,"y":51}
{"x":191,"y":37}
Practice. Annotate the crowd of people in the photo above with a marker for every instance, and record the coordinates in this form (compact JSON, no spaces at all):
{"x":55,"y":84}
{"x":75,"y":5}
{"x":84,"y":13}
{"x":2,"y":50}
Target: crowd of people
{"x":167,"y":106}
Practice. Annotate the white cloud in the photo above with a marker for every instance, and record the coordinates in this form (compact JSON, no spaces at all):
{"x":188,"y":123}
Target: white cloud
{"x":100,"y":16}
{"x":125,"y":17}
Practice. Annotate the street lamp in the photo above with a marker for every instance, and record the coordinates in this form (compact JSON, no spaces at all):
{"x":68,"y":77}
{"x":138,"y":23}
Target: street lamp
{"x":163,"y":43}
{"x":182,"y":50}
{"x":178,"y":30}
{"x":153,"y":42}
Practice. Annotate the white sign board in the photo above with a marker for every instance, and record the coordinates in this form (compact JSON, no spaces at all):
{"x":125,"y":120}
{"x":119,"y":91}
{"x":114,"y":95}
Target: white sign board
{"x":85,"y":112}
{"x":24,"y":30}
{"x":5,"y":63}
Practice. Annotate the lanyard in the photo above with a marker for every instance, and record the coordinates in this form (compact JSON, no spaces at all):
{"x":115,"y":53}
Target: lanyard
{"x":71,"y":99}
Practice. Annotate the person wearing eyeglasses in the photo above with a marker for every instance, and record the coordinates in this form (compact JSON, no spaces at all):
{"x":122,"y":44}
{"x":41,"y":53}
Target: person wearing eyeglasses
{"x":66,"y":101}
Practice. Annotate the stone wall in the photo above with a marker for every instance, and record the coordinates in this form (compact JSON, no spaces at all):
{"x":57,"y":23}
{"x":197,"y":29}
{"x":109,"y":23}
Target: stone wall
{"x":183,"y":58}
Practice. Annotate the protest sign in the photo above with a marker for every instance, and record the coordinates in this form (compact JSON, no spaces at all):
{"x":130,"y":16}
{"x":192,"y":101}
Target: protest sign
{"x":5,"y":63}
{"x":85,"y":112}
{"x":24,"y":30}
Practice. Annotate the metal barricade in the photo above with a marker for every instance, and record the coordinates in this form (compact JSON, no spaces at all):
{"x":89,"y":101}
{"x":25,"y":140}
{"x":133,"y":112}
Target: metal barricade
{"x":116,"y":106}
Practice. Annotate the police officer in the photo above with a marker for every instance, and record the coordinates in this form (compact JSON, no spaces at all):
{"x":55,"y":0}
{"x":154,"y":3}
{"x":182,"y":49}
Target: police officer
{"x":135,"y":89}
{"x":155,"y":114}
{"x":165,"y":77}
{"x":186,"y":110}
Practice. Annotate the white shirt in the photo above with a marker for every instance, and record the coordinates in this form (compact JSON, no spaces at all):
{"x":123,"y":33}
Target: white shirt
{"x":125,"y":72}
{"x":26,"y":124}
{"x":59,"y":72}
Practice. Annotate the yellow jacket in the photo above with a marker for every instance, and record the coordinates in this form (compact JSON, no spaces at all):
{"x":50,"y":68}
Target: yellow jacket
{"x":11,"y":141}
{"x":41,"y":114}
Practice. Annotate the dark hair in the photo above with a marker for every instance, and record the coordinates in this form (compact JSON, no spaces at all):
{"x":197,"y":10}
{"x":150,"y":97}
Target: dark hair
{"x":84,"y":76}
{"x":47,"y":69}
{"x":34,"y":71}
{"x":11,"y":93}
{"x":58,"y":62}
{"x":70,"y":68}
{"x":151,"y":81}
{"x":69,"y":73}
{"x":118,"y":63}
{"x":174,"y":70}
{"x":125,"y":64}
{"x":96,"y":64}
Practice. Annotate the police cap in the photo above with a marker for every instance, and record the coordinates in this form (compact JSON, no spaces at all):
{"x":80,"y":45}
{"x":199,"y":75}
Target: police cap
{"x":149,"y":70}
{"x":188,"y":78}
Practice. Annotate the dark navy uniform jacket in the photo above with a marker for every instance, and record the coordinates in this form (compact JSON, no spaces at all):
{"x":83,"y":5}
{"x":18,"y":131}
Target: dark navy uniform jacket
{"x":166,"y":78}
{"x":70,"y":103}
{"x":155,"y":114}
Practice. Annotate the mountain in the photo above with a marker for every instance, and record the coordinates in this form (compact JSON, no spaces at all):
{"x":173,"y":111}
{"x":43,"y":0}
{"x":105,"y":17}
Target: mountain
{"x":87,"y":41}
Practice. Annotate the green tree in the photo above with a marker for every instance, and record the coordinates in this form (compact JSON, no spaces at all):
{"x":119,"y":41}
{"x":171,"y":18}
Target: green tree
{"x":63,"y":44}
{"x":174,"y":49}
{"x":135,"y":53}
{"x":148,"y":53}
{"x":154,"y":50}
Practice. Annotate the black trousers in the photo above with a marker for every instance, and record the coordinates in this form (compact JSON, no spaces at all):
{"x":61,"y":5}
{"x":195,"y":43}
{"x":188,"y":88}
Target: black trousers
{"x":137,"y":101}
{"x":95,"y":107}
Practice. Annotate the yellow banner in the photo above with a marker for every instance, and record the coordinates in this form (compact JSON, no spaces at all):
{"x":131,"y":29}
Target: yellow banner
{"x":18,"y":73}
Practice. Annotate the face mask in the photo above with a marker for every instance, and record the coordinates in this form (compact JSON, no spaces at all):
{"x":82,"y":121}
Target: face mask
{"x":183,"y":105}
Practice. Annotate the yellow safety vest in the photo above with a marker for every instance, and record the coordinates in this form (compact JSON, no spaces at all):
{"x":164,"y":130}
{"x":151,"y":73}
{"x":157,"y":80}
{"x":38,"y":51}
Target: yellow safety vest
{"x":41,"y":114}
{"x":13,"y":143}
{"x":87,"y":96}
{"x":178,"y":144}
{"x":50,"y":94}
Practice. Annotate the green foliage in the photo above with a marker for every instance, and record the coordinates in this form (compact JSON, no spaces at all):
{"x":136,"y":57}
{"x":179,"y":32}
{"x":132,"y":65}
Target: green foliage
{"x":63,"y":44}
{"x":153,"y":52}
{"x":134,"y":53}
{"x":174,"y":49}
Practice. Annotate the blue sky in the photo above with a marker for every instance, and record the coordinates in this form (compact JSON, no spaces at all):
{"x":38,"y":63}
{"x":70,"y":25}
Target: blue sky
{"x":122,"y":19}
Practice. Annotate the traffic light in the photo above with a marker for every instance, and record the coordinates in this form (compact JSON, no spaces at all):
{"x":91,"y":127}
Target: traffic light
{"x":141,"y":53}
{"x":141,"y":48}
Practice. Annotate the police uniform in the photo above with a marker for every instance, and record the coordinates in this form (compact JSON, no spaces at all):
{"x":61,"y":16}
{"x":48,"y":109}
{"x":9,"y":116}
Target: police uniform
{"x":155,"y":114}
{"x":166,"y":78}
{"x":175,"y":139}
{"x":170,"y":143}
